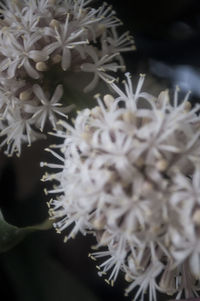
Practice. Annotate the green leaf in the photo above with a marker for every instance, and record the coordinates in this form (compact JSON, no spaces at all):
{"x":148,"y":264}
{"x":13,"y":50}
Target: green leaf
{"x":11,"y":235}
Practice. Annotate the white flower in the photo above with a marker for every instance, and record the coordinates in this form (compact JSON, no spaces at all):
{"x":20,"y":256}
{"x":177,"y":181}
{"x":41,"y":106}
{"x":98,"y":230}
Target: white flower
{"x":122,"y":177}
{"x":107,"y":15}
{"x":18,"y":131}
{"x":21,"y":53}
{"x":66,"y":40}
{"x":9,"y":90}
{"x":25,"y":20}
{"x":146,"y":281}
{"x":99,"y":66}
{"x":114,"y":43}
{"x":49,"y":107}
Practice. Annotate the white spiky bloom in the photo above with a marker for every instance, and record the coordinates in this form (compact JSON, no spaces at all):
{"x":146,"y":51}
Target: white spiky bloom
{"x":39,"y":38}
{"x":130,"y":174}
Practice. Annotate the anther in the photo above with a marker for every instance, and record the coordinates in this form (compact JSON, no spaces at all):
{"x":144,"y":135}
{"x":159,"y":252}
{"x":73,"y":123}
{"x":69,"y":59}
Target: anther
{"x":45,"y":191}
{"x":65,"y":239}
{"x":107,"y":281}
{"x":127,"y":278}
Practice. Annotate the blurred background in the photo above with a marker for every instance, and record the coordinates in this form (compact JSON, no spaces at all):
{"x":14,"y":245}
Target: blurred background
{"x":42,"y":267}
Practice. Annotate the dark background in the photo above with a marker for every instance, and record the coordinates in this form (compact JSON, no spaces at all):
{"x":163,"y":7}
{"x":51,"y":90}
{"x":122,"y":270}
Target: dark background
{"x":42,"y":267}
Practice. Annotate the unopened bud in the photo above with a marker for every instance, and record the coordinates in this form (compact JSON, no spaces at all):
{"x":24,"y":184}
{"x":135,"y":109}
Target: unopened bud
{"x":108,"y":100}
{"x":163,"y":97}
{"x":100,"y":29}
{"x":161,"y":165}
{"x":196,"y":217}
{"x":25,"y":95}
{"x":128,"y":278}
{"x":86,"y":136}
{"x":99,"y":223}
{"x":56,"y":58}
{"x":128,"y":117}
{"x":41,"y":66}
{"x":54,"y":23}
{"x":140,"y":162}
{"x":147,"y":186}
{"x":104,"y":238}
{"x":96,"y":111}
{"x":187,"y":106}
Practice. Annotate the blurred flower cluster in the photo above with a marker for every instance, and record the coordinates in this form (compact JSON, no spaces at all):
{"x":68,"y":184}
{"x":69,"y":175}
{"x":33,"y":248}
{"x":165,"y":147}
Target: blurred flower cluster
{"x":128,"y":171}
{"x":39,"y":38}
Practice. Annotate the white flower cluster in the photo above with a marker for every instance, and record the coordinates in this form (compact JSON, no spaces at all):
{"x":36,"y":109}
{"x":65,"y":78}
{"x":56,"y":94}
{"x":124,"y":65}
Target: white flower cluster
{"x":130,"y":174}
{"x":39,"y":41}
